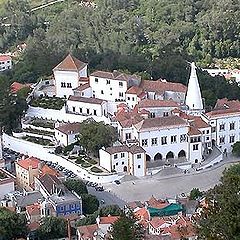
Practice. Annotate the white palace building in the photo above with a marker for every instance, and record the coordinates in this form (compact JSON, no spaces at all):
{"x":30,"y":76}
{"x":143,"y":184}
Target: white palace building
{"x":156,"y":120}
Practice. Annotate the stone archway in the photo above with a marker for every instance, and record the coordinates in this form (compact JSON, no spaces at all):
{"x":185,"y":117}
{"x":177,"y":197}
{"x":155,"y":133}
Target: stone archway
{"x":148,"y":158}
{"x":157,"y":157}
{"x":170,"y":155}
{"x":182,"y":154}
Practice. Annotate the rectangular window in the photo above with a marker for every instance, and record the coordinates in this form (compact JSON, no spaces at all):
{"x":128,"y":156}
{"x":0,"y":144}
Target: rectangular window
{"x":117,"y":164}
{"x":222,"y":127}
{"x":154,"y":141}
{"x":207,"y":131}
{"x":88,"y":111}
{"x":222,"y":140}
{"x":63,"y":84}
{"x":232,"y":139}
{"x":139,"y":166}
{"x":144,"y":142}
{"x":115,"y":156}
{"x":128,"y":98}
{"x":74,"y":109}
{"x":195,"y":147}
{"x":232,"y":126}
{"x":94,"y":112}
{"x":122,"y":155}
{"x":174,"y":139}
{"x":138,"y":156}
{"x":164,"y":140}
{"x":96,"y":80}
{"x":107,"y":81}
{"x":120,"y":94}
{"x":102,"y":92}
{"x":165,"y":114}
{"x":152,"y":115}
{"x":120,"y":84}
{"x":133,"y":98}
{"x":122,"y":163}
{"x":80,"y":110}
{"x":128,"y":136}
{"x":213,"y":129}
{"x":183,"y":138}
{"x":69,"y":85}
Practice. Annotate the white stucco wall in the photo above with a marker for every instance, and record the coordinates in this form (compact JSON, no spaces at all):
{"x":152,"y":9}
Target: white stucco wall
{"x":110,"y":91}
{"x":135,"y":162}
{"x":6,"y":188}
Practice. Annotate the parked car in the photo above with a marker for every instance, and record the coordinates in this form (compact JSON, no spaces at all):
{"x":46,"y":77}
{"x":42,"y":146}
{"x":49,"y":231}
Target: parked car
{"x":117,"y":182}
{"x":99,"y":188}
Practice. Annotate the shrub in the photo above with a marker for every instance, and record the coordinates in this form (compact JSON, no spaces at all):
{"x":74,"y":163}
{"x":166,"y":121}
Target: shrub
{"x":96,"y":170}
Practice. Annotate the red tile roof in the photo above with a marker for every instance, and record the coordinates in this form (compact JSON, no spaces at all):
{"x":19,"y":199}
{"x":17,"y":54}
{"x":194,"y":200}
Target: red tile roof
{"x":25,"y":163}
{"x":87,"y":232}
{"x":156,"y":103}
{"x":160,"y":86}
{"x":134,"y":90}
{"x":142,"y":213}
{"x":33,"y":209}
{"x":70,"y":63}
{"x":124,"y":148}
{"x":193,"y":131}
{"x":82,"y":87}
{"x":70,"y":128}
{"x":161,"y":122}
{"x":48,"y":170}
{"x":157,"y":203}
{"x":15,"y":87}
{"x":85,"y":99}
{"x":115,"y":75}
{"x":157,"y":222}
{"x":108,"y":220}
{"x":4,"y":58}
{"x":224,"y":103}
{"x":223,"y":113}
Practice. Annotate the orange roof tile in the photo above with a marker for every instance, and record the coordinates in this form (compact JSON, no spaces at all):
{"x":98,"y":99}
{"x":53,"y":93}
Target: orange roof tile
{"x":134,"y":90}
{"x":4,"y":58}
{"x":223,"y":112}
{"x":25,"y":163}
{"x":157,"y":103}
{"x":157,"y":203}
{"x":33,"y":209}
{"x":16,"y":86}
{"x":108,"y":220}
{"x":157,"y":222}
{"x":48,"y":170}
{"x":70,"y":63}
{"x":143,"y":214}
{"x":87,"y":232}
{"x":193,"y":131}
{"x":224,"y":103}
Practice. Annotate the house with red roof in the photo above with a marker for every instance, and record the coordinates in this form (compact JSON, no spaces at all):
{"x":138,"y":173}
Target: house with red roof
{"x":68,"y":75}
{"x":26,"y":170}
{"x":5,"y":62}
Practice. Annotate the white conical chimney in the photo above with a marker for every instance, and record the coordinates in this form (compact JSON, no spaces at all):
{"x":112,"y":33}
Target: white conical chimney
{"x":193,"y":96}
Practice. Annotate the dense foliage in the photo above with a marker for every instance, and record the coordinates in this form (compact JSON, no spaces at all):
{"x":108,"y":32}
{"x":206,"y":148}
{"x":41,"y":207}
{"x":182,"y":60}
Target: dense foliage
{"x":236,"y":149}
{"x":220,"y":220}
{"x":52,"y":228}
{"x":12,"y":225}
{"x":153,"y":38}
{"x":95,"y":135}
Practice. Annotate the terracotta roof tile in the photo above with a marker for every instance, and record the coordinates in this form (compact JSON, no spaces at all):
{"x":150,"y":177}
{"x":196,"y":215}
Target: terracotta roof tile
{"x":87,"y":232}
{"x":134,"y":149}
{"x":157,"y":103}
{"x":82,"y":87}
{"x":4,"y":58}
{"x":48,"y":170}
{"x":134,"y":90}
{"x":161,"y":122}
{"x":157,"y":203}
{"x":224,"y":103}
{"x":70,"y":128}
{"x":70,"y":63}
{"x":115,"y":75}
{"x":142,"y":213}
{"x":222,"y":113}
{"x":161,"y":86}
{"x":16,"y":86}
{"x":193,"y":131}
{"x":85,"y":99}
{"x":157,"y":222}
{"x":33,"y":209}
{"x":117,"y":149}
{"x":108,"y":219}
{"x":25,"y":163}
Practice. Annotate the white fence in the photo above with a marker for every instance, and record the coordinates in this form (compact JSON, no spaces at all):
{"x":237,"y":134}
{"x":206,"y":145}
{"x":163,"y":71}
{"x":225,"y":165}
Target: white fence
{"x":38,"y":151}
{"x":61,"y":115}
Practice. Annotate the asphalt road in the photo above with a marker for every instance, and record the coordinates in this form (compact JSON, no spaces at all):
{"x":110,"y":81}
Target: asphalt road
{"x":109,"y":198}
{"x":167,"y":186}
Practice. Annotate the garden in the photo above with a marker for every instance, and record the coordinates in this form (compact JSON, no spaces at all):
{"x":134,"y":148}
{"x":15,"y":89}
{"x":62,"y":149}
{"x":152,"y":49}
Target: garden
{"x":42,"y":123}
{"x":48,"y":103}
{"x":39,"y":132}
{"x":41,"y":141}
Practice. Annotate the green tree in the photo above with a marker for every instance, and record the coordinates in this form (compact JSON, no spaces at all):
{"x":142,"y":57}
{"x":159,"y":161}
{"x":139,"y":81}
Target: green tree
{"x":76,"y":185}
{"x":52,"y":227}
{"x":90,"y":203}
{"x":236,"y":149}
{"x":12,"y":225}
{"x":195,"y":194}
{"x":220,"y":220}
{"x":113,"y":210}
{"x":126,"y":227}
{"x":93,"y":136}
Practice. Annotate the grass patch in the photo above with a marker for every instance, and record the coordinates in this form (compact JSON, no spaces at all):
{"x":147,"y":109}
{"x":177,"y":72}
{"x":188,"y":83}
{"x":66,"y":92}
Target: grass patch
{"x":96,"y":170}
